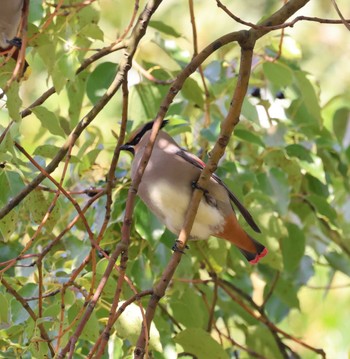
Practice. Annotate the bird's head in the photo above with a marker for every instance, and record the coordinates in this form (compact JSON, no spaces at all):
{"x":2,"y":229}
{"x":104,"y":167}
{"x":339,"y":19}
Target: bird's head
{"x":137,"y":135}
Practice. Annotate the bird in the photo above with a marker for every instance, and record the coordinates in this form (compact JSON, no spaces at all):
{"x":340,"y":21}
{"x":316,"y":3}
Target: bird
{"x":10,"y":18}
{"x":168,"y":183}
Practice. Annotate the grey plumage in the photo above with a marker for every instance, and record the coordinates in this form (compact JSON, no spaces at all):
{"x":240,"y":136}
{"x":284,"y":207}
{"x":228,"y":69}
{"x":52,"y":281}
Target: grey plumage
{"x":166,"y":188}
{"x":10,"y":16}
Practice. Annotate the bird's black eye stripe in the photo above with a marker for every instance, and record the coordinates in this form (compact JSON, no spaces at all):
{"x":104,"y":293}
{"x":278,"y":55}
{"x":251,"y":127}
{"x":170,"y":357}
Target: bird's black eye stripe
{"x":137,"y":139}
{"x":148,"y":126}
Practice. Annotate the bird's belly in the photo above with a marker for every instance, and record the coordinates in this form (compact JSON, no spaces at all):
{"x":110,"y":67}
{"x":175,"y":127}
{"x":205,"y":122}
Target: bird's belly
{"x":170,"y":206}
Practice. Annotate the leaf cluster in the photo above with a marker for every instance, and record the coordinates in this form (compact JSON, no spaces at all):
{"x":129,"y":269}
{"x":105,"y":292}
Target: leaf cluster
{"x":287,"y":161}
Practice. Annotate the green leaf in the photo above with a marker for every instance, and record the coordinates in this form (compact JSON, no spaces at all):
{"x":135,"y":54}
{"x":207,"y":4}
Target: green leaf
{"x":309,"y":96}
{"x":339,"y":262}
{"x":275,"y":308}
{"x":48,"y":151}
{"x":91,"y":329}
{"x":99,"y":80}
{"x":129,"y":324}
{"x":261,"y":340}
{"x":116,"y":349}
{"x":192,"y":92}
{"x":49,"y":120}
{"x":145,"y":100}
{"x":10,"y":183}
{"x":110,"y":286}
{"x":315,"y":168}
{"x":190,"y":316}
{"x":249,"y":136}
{"x":275,"y":185}
{"x":37,"y":204}
{"x":293,"y":247}
{"x":300,"y":152}
{"x":323,"y":209}
{"x":6,"y":71}
{"x":164,"y":28}
{"x":92,"y":31}
{"x":177,"y":125}
{"x":308,"y":161}
{"x":341,"y":120}
{"x":76,"y":92}
{"x":64,"y":69}
{"x":37,"y":348}
{"x":277,"y":158}
{"x":249,"y":111}
{"x":36,"y":11}
{"x":11,"y":332}
{"x":8,"y":225}
{"x":14,"y":102}
{"x":316,"y":186}
{"x":304,"y":271}
{"x":87,"y":15}
{"x":88,"y":160}
{"x":216,"y":253}
{"x":4,"y":310}
{"x":302,"y":119}
{"x":146,"y":224}
{"x":285,"y":290}
{"x":280,"y":75}
{"x":200,"y":344}
{"x":46,"y":50}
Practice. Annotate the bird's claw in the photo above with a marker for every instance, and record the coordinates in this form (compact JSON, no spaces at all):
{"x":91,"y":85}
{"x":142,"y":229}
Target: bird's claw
{"x":16,"y":41}
{"x":175,"y":247}
{"x":196,"y":186}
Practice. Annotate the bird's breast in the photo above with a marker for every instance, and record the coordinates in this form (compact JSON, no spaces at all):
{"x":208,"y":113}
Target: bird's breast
{"x":169,"y":202}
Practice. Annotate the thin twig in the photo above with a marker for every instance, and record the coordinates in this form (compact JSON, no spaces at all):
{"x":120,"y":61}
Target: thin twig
{"x":201,"y":73}
{"x":48,"y":20}
{"x":149,"y":76}
{"x":226,"y":130}
{"x":269,"y":27}
{"x":272,"y":288}
{"x":64,"y":192}
{"x":137,"y":34}
{"x":263,"y":318}
{"x":110,"y":185}
{"x":30,"y":311}
{"x":246,"y":40}
{"x":343,"y":20}
{"x":20,"y":62}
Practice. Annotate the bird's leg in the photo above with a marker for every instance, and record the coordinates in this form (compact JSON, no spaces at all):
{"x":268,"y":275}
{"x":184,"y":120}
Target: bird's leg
{"x":196,"y":186}
{"x":209,"y":199}
{"x":16,"y":42}
{"x":175,"y":247}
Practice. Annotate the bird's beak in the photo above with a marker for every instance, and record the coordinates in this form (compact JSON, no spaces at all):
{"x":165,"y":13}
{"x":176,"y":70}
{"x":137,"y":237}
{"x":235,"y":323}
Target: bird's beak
{"x":127,"y":147}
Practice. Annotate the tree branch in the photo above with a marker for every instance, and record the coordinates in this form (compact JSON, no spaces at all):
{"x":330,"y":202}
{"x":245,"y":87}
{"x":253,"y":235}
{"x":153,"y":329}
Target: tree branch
{"x":132,"y":43}
{"x":231,"y":120}
{"x":246,"y":40}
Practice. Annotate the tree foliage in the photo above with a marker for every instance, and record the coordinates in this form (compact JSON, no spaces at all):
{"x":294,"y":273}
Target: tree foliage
{"x":76,"y":277}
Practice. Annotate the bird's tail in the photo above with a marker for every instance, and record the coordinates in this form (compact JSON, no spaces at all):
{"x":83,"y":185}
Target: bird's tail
{"x":254,"y":257}
{"x":234,"y":233}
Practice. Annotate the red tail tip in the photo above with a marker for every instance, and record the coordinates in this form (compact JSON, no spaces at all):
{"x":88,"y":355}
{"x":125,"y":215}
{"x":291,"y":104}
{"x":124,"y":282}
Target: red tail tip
{"x":259,"y":256}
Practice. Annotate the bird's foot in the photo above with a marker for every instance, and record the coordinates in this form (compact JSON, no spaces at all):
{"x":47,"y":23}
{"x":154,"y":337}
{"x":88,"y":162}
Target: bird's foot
{"x":176,"y":248}
{"x":16,"y":41}
{"x":196,"y":186}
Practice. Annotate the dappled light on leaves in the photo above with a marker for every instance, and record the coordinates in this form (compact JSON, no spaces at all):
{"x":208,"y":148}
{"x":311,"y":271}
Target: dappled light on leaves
{"x":259,"y":93}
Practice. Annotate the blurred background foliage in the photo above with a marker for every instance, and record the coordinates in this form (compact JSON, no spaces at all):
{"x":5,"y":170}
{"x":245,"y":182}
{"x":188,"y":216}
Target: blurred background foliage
{"x":288,"y":161}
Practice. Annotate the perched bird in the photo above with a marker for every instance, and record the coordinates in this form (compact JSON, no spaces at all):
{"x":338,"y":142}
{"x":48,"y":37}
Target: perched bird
{"x":11,"y":12}
{"x":167,"y":185}
{"x":10,"y":17}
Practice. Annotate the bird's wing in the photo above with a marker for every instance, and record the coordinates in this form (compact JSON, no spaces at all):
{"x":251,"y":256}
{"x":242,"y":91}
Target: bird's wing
{"x":195,"y":161}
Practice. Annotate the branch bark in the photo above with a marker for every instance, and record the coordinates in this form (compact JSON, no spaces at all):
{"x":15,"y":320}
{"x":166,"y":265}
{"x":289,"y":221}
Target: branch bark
{"x":132,"y":43}
{"x":246,"y":40}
